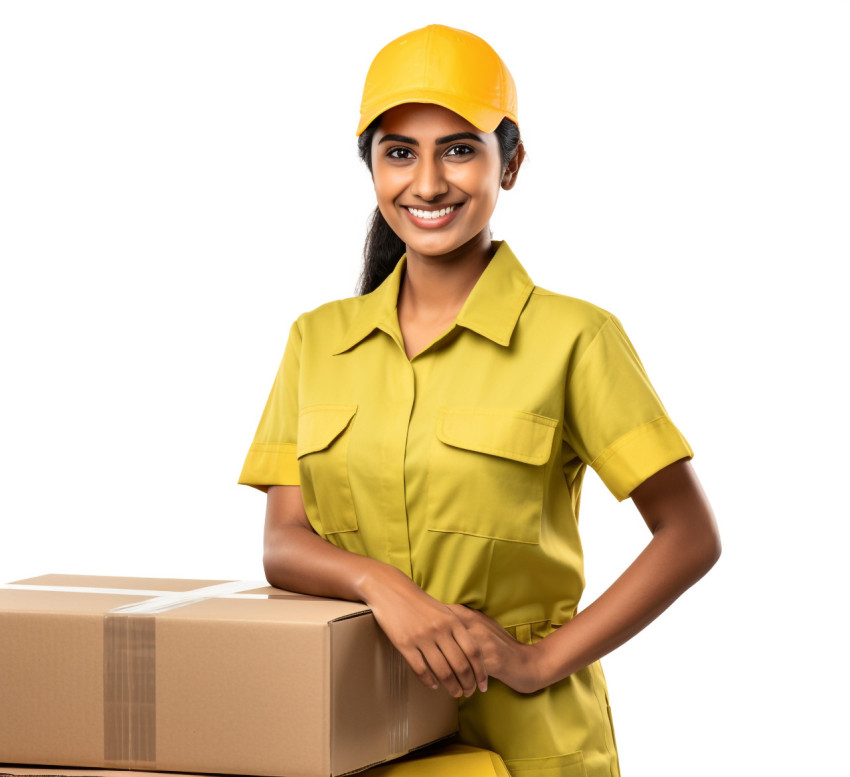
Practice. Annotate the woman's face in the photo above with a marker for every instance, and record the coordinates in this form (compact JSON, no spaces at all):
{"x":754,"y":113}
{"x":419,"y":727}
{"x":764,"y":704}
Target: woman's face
{"x":436,"y":177}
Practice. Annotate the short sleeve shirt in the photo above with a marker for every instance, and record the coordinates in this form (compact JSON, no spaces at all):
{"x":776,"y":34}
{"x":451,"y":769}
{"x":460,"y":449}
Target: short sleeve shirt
{"x":463,"y":465}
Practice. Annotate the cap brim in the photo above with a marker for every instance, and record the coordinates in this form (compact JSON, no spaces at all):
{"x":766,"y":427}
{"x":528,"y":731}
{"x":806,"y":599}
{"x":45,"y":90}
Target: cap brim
{"x":483,"y":117}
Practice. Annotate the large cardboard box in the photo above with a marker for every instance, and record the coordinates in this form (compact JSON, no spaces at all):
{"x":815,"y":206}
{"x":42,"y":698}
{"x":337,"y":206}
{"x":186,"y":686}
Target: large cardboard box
{"x":229,"y":677}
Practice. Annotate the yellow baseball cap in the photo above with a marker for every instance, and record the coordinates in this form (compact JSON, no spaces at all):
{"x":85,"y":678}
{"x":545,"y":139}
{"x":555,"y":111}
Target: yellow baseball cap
{"x":444,"y":66}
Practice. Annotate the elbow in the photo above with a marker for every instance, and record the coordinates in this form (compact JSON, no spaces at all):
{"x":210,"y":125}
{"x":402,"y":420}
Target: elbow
{"x":696,"y":548}
{"x":268,"y":569}
{"x":718,"y":550}
{"x":273,"y":561}
{"x":707,"y":550}
{"x":717,"y":546}
{"x":280,"y":555}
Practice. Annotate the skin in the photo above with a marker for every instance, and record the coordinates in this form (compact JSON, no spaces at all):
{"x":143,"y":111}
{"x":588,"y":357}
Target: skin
{"x":447,"y":644}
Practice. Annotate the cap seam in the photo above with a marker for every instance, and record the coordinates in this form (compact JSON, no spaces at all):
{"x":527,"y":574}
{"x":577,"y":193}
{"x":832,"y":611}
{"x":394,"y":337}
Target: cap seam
{"x":501,"y":81}
{"x":428,"y":47}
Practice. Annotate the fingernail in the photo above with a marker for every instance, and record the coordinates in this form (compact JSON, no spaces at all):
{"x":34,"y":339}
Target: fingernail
{"x":483,"y":686}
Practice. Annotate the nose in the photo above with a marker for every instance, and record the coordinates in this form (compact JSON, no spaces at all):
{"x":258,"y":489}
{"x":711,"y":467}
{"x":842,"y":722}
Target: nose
{"x":429,"y":181}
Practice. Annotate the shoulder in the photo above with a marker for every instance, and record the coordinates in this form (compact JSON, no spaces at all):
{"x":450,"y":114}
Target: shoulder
{"x":563,"y":313}
{"x":570,"y":324}
{"x":331,"y":313}
{"x":329,"y":325}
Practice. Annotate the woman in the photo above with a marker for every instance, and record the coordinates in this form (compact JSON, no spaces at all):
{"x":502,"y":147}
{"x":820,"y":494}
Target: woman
{"x":424,"y":443}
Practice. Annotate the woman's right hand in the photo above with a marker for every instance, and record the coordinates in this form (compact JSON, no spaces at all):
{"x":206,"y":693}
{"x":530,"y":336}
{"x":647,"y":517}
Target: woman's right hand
{"x":432,"y":638}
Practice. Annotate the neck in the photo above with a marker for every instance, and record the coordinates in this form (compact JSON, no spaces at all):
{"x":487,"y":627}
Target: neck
{"x":437,"y":286}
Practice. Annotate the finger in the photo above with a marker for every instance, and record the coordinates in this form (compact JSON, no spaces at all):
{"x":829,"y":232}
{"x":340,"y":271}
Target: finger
{"x":460,"y":663}
{"x":441,"y":668}
{"x":472,"y":650}
{"x":420,"y":668}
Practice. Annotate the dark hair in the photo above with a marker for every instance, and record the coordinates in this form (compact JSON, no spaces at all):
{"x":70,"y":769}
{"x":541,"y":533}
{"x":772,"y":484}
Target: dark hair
{"x":383,"y":247}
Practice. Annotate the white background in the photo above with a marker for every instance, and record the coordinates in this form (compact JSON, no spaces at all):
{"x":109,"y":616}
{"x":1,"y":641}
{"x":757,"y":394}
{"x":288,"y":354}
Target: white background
{"x":179,"y":180}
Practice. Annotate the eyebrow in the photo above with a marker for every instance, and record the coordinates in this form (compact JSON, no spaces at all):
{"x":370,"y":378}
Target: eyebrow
{"x":447,"y":139}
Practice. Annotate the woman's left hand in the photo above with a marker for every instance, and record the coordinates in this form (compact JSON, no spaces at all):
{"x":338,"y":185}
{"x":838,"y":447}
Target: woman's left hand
{"x":516,"y":664}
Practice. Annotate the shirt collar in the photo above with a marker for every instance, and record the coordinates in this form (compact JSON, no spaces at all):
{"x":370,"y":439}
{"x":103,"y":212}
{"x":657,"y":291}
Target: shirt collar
{"x":492,"y":308}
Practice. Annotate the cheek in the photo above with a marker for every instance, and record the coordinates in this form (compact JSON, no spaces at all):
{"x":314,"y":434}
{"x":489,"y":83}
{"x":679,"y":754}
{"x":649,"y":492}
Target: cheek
{"x":485,"y":199}
{"x":482,"y":182}
{"x":387,"y":186}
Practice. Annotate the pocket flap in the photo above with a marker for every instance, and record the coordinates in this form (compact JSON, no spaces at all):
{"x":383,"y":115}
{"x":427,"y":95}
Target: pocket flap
{"x":512,"y":434}
{"x":320,"y":425}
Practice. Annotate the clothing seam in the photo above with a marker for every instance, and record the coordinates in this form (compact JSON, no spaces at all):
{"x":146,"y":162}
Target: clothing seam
{"x":601,"y":461}
{"x":481,"y":536}
{"x":525,"y":415}
{"x":265,"y":446}
{"x":589,"y":346}
{"x":307,"y":409}
{"x":535,"y":461}
{"x":568,"y":433}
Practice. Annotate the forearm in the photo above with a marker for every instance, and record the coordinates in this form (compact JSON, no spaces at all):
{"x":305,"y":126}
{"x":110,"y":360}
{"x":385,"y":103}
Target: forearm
{"x":297,"y":559}
{"x":672,"y":562}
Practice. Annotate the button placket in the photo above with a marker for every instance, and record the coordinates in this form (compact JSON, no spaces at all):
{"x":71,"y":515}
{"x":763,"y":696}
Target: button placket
{"x":401,"y":381}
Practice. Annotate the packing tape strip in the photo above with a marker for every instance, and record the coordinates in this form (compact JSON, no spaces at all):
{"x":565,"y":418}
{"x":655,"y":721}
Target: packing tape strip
{"x":171,"y":600}
{"x":397,"y":731}
{"x":129,"y":690}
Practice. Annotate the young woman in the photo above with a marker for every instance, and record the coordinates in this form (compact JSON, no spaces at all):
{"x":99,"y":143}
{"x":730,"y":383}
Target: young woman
{"x":424,"y":443}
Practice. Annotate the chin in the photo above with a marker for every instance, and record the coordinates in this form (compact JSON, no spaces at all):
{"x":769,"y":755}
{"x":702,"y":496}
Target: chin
{"x":434,"y":247}
{"x":438,"y":243}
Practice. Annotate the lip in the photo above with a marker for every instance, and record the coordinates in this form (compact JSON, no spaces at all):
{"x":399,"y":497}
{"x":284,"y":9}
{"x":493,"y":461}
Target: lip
{"x":433,"y":223}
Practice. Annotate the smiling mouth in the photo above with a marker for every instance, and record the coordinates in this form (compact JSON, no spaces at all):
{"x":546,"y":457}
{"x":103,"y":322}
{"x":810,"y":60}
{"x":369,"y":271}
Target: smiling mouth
{"x":432,"y":214}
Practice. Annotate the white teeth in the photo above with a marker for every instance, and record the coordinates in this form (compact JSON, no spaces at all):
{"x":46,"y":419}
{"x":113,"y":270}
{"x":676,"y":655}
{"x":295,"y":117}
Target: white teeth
{"x":431,"y":214}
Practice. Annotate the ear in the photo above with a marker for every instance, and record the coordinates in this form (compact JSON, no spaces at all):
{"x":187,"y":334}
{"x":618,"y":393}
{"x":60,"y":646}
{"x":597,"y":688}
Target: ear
{"x":510,"y":174}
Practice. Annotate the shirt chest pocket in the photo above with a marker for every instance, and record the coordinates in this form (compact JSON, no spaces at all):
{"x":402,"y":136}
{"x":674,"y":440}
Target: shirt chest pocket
{"x":487,"y":470}
{"x":322,"y":453}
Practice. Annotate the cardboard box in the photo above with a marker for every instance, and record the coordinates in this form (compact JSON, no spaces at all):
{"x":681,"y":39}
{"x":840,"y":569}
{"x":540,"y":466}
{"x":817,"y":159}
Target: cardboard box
{"x":230,"y":677}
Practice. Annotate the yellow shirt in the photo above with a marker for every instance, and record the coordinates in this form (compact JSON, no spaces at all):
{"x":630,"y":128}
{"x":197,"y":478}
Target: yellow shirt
{"x":463,"y":468}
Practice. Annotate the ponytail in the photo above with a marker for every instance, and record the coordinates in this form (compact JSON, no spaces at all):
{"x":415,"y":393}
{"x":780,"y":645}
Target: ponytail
{"x":381,"y":253}
{"x":383,"y":247}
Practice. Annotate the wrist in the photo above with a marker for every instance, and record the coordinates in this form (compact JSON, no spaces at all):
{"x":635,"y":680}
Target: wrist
{"x":551,"y":662}
{"x":375,"y":579}
{"x":540,"y":669}
{"x":566,"y":650}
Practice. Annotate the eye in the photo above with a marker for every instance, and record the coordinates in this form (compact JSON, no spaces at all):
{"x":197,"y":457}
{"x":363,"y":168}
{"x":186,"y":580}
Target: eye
{"x":400,"y":153}
{"x":460,"y":150}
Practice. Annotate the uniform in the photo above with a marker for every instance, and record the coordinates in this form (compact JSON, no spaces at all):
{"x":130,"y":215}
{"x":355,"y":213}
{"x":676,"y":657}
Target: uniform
{"x":463,"y":468}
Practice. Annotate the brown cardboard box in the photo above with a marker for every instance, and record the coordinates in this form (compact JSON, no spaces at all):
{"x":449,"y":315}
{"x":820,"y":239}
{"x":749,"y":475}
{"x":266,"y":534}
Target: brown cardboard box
{"x":203,"y":676}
